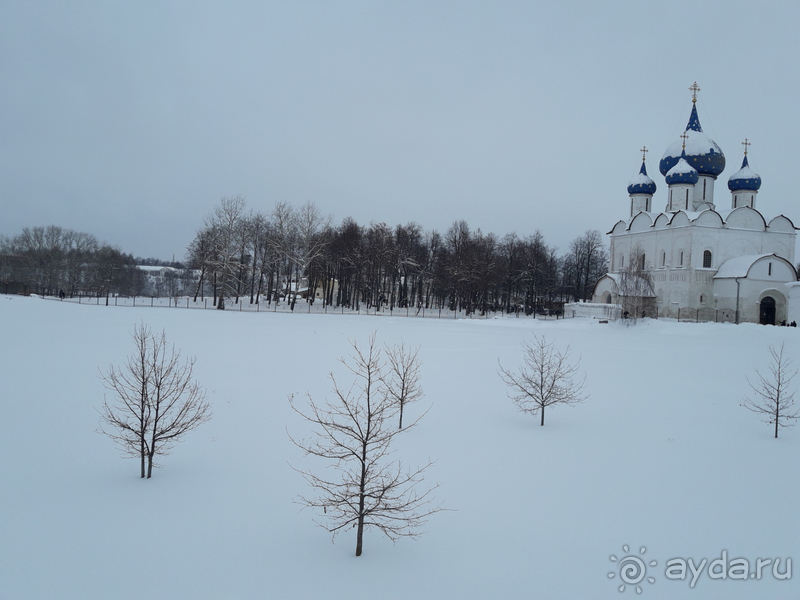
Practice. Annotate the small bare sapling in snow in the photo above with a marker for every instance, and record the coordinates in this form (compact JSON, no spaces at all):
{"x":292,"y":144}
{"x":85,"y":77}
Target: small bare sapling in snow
{"x":772,"y":398}
{"x":547,"y":378}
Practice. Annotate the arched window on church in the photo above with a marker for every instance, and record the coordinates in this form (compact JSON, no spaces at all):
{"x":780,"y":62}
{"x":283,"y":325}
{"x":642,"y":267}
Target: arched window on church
{"x":702,"y":298}
{"x":641,"y":266}
{"x":663,"y":259}
{"x":621,"y":261}
{"x":681,"y":263}
{"x":707,"y":259}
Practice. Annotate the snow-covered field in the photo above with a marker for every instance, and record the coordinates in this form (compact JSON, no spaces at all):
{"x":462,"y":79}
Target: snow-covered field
{"x":661,"y":456}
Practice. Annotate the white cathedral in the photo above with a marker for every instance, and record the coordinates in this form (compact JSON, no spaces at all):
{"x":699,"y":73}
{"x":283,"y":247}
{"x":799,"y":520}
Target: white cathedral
{"x":704,"y":262}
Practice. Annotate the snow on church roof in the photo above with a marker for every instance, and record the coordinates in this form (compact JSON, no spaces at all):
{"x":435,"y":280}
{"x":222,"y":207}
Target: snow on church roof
{"x":744,"y":179}
{"x":702,"y":152}
{"x":739,"y":266}
{"x":682,"y":172}
{"x":641,"y":183}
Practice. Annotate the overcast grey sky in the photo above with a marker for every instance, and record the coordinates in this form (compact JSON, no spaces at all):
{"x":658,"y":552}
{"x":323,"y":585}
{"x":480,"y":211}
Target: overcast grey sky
{"x":130,"y":120}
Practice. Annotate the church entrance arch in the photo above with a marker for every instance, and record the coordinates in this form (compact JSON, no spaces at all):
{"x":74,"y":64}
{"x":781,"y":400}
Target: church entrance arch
{"x":767,"y":312}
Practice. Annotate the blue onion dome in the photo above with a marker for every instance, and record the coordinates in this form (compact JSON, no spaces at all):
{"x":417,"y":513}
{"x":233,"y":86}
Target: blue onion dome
{"x":702,"y":152}
{"x":641,"y":183}
{"x":682,"y":172}
{"x":744,"y":179}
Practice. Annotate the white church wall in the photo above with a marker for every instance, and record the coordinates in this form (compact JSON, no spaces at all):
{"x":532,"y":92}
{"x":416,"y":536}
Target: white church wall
{"x":767,"y":270}
{"x":746,"y":218}
{"x":680,"y":257}
{"x":704,"y":190}
{"x":663,"y":253}
{"x":724,"y":293}
{"x":703,"y":243}
{"x":709,"y":218}
{"x":781,"y":224}
{"x":738,"y":246}
{"x":793,"y":309}
{"x":605,"y":291}
{"x":680,"y":220}
{"x":781,"y":245}
{"x":641,"y":222}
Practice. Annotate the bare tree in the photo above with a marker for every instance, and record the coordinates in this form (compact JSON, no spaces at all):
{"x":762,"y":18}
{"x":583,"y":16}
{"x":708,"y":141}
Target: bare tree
{"x":366,"y":487}
{"x":156,"y":401}
{"x":546,"y":379}
{"x":226,"y":226}
{"x":309,"y":223}
{"x":773,"y":400}
{"x":403,"y":376}
{"x":636,"y":286}
{"x":282,"y":244}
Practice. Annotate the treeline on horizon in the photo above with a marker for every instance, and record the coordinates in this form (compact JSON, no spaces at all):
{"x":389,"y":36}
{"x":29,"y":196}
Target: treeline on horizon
{"x":247,"y":255}
{"x":51,"y":259}
{"x":268,"y":257}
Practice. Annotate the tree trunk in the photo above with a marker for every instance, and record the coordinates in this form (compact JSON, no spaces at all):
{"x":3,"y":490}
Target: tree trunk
{"x":199,"y":283}
{"x":361,"y":486}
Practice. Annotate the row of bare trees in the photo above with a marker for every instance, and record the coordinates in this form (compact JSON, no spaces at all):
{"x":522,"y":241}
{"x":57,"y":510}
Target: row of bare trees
{"x":288,"y":252}
{"x":293,"y":252}
{"x":50,"y":259}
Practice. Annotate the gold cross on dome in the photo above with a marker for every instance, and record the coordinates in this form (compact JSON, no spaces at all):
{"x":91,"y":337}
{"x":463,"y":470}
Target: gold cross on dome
{"x":694,"y":89}
{"x":745,"y":143}
{"x":684,"y":137}
{"x":644,"y":152}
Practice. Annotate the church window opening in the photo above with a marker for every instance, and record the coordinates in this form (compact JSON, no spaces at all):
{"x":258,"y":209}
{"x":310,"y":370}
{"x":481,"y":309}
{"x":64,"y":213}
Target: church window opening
{"x":707,"y":259}
{"x":681,"y":263}
{"x":769,"y":269}
{"x":621,"y":261}
{"x":702,"y":298}
{"x":663,"y":259}
{"x":751,"y":200}
{"x":705,"y":181}
{"x":687,"y":198}
{"x":641,"y":266}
